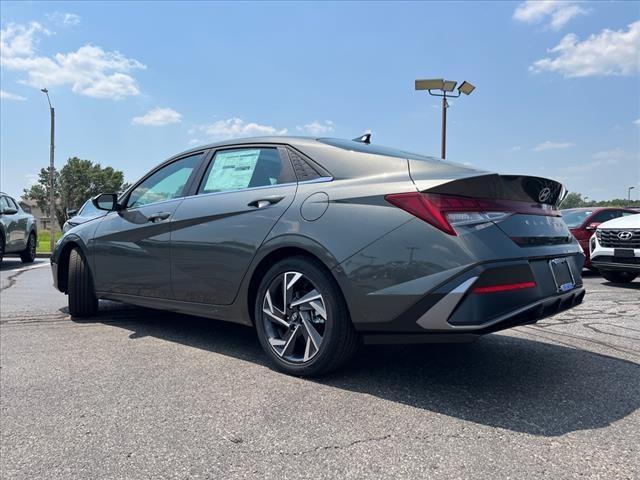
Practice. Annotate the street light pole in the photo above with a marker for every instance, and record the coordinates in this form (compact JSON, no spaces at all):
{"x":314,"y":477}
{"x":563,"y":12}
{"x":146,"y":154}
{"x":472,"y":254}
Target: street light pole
{"x":445,"y":105}
{"x":444,"y":86}
{"x":52,"y":197}
{"x":629,"y":196}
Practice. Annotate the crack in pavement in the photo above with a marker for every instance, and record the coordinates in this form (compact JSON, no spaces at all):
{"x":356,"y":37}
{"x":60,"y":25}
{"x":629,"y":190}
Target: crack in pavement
{"x":12,"y":279}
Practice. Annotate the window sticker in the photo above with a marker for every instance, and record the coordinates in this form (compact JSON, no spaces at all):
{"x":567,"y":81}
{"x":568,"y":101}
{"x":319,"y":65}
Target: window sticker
{"x":232,"y":170}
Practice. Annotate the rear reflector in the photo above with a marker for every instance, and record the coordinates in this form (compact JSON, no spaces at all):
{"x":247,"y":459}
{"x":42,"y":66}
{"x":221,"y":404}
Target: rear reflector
{"x":504,"y":288}
{"x":446,"y":211}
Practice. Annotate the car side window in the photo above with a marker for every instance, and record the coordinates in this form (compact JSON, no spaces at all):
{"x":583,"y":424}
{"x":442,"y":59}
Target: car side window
{"x":605,"y":216}
{"x":243,"y":168}
{"x":3,"y":202}
{"x":165,"y":184}
{"x":12,"y":203}
{"x":626,"y":214}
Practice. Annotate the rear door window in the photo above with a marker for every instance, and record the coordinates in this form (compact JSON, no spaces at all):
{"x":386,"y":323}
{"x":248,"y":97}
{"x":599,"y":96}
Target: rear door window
{"x":243,"y":168}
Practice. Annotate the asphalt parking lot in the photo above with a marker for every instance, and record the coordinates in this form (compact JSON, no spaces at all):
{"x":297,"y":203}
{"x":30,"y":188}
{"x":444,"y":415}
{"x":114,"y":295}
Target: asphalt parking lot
{"x":136,"y":393}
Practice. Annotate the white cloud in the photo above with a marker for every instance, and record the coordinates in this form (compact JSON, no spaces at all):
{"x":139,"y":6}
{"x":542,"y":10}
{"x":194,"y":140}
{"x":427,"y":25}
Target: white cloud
{"x":158,"y":117}
{"x":637,"y":122}
{"x":610,"y":52}
{"x":559,"y":12}
{"x":195,"y":141}
{"x":317,"y":128}
{"x":548,"y":145}
{"x":19,"y":40}
{"x":64,"y":19}
{"x":616,"y":153}
{"x":11,"y":96}
{"x":89,"y":70}
{"x":516,"y":148}
{"x":236,"y":127}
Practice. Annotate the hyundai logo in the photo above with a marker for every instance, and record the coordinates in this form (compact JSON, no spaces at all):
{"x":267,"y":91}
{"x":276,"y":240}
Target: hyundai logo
{"x":544,"y":194}
{"x":625,"y":235}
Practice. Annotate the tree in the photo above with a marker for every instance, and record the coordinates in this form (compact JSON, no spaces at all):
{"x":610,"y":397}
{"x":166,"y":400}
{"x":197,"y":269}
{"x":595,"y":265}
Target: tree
{"x":573,"y":200}
{"x":78,"y":181}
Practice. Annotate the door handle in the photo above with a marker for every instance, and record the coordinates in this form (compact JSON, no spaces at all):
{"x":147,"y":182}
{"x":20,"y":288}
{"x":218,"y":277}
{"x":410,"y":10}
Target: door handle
{"x":158,"y":217}
{"x":264,"y":202}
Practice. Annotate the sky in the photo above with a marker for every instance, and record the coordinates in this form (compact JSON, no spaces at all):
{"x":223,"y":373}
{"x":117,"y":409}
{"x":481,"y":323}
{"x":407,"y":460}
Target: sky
{"x":557,"y":83}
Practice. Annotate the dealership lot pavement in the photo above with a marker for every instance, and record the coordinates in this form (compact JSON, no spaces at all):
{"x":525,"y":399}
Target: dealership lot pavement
{"x":136,"y":393}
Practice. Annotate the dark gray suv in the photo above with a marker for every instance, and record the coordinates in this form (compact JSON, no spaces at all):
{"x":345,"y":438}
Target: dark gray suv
{"x":18,"y":231}
{"x":321,"y":244}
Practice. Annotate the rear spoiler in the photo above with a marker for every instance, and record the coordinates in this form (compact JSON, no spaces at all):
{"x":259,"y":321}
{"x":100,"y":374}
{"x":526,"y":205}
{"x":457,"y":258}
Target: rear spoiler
{"x":469,"y":182}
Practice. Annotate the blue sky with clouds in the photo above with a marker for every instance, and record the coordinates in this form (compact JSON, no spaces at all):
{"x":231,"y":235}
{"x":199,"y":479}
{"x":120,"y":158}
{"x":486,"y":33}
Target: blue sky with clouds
{"x":558,"y":90}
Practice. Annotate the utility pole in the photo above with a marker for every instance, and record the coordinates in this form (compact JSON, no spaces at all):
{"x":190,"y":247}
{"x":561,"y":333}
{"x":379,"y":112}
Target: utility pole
{"x":629,"y":196}
{"x":52,"y":196}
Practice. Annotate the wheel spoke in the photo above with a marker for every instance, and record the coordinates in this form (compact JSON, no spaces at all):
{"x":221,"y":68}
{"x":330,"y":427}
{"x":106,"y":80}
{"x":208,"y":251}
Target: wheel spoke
{"x":274,"y":313}
{"x":290,"y":342}
{"x":319,"y":308}
{"x":309,"y":297}
{"x":276,"y":319}
{"x":311,"y":331}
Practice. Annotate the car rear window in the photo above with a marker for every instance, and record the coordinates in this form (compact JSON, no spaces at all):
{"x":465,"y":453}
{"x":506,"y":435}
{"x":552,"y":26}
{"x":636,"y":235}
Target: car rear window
{"x":373,"y":149}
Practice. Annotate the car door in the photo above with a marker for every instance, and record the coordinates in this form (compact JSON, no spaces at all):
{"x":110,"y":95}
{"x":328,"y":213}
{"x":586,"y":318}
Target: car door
{"x":14,"y":238}
{"x":217,"y":231}
{"x":131,"y":246}
{"x":21,"y":221}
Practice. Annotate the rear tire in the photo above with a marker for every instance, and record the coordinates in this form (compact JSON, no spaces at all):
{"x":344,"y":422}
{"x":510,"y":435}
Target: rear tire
{"x":82,"y":298}
{"x":619,"y":277}
{"x":28,"y":255}
{"x":325,"y":338}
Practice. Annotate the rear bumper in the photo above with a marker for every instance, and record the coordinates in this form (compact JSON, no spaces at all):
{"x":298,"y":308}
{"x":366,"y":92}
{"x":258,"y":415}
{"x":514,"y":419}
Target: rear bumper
{"x":460,"y":309}
{"x":525,"y":315}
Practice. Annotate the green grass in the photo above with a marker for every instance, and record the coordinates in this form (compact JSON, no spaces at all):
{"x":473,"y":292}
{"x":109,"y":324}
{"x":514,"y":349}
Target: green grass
{"x":44,"y":237}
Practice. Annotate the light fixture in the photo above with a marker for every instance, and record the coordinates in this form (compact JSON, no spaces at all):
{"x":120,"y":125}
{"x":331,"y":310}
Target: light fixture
{"x":466,"y":88}
{"x":430,"y":84}
{"x":449,"y":85}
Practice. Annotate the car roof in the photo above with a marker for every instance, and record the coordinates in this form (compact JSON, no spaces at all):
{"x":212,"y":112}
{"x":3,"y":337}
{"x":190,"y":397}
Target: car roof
{"x":276,"y":139}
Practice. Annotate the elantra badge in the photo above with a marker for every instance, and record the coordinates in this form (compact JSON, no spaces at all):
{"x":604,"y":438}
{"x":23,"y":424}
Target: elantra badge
{"x":544,"y":194}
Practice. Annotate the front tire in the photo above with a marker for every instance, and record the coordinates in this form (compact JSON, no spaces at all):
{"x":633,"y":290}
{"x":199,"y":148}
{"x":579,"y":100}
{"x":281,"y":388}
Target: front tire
{"x":28,"y":255}
{"x":619,"y":277}
{"x":302,"y":319}
{"x":82,"y":298}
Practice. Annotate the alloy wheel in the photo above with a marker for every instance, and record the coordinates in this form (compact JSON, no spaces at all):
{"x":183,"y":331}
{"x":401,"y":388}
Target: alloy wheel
{"x":294,"y":317}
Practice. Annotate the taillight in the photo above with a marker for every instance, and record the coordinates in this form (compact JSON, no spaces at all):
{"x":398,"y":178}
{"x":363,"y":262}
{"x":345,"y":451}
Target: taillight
{"x":446,"y":211}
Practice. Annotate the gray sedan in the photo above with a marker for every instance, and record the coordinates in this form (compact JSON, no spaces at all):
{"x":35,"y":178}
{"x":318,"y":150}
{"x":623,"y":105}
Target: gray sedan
{"x":18,"y":232}
{"x":321,"y":244}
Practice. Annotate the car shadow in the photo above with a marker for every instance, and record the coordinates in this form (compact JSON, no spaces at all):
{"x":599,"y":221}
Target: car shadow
{"x":500,"y":381}
{"x":631,"y":286}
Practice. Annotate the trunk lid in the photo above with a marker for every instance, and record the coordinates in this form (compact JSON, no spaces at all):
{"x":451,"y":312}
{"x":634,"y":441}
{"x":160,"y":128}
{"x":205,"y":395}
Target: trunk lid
{"x":534,"y":200}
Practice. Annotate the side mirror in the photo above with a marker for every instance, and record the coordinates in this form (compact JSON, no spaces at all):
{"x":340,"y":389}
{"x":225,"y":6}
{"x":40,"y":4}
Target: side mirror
{"x":593,"y":225}
{"x":105,"y":201}
{"x":9,"y":211}
{"x":71,"y":212}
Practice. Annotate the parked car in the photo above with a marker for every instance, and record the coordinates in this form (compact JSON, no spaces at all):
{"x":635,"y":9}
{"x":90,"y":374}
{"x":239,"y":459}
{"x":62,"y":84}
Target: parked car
{"x":18,"y":231}
{"x":319,"y":243}
{"x":87,"y":212}
{"x":615,"y":249}
{"x":583,"y":223}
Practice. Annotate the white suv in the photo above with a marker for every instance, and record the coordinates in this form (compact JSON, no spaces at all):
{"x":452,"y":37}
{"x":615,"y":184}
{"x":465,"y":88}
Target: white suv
{"x":615,"y":249}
